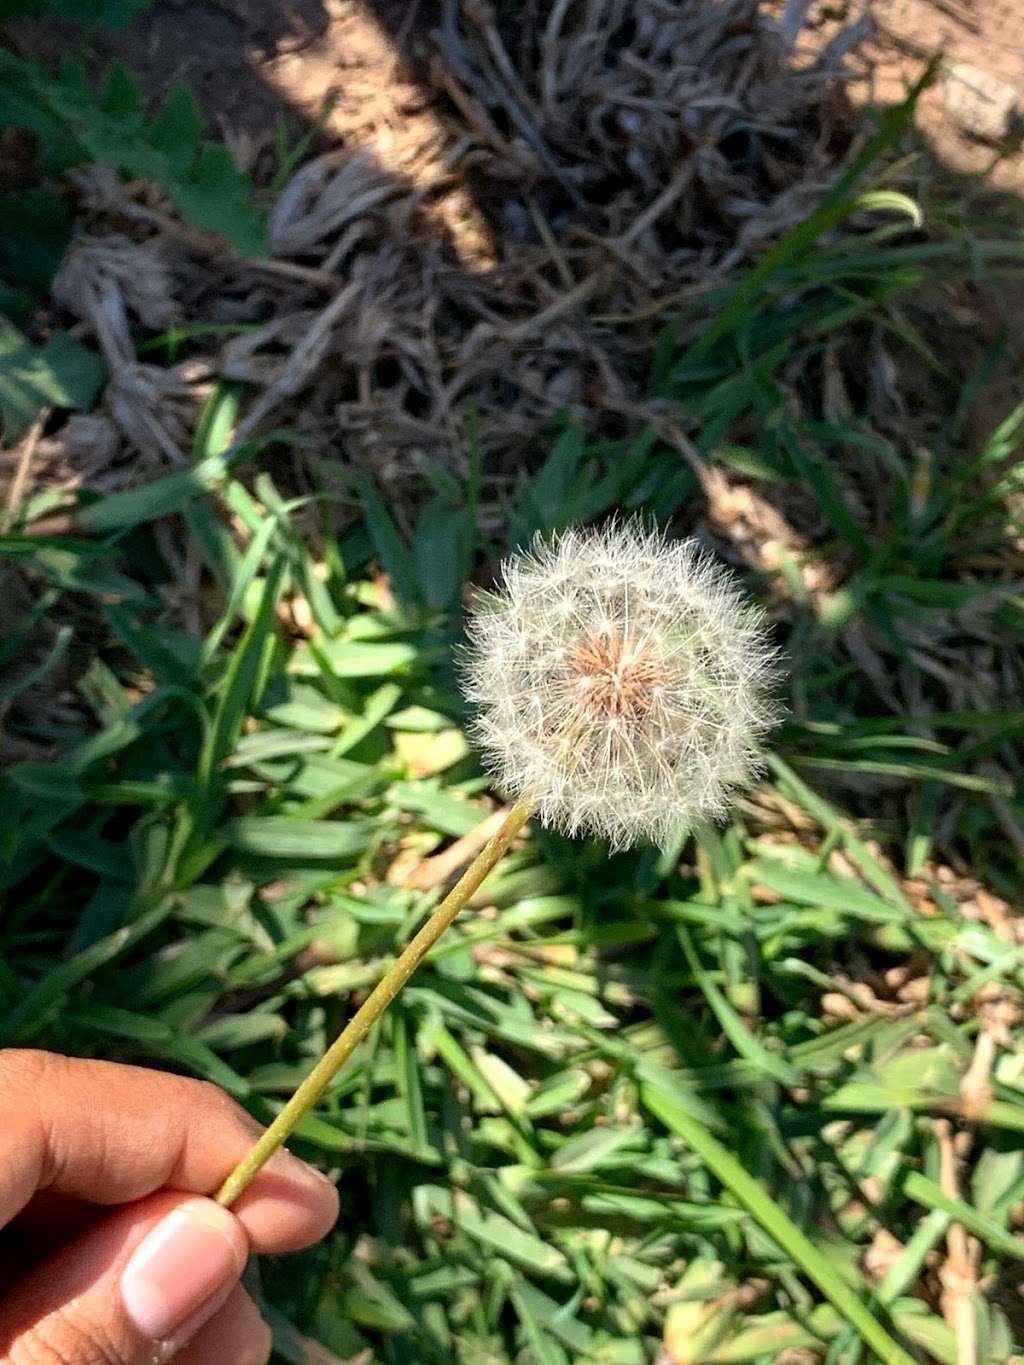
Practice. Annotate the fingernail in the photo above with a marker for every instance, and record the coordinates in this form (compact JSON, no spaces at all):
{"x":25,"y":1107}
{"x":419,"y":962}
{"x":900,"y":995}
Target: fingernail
{"x":184,"y":1264}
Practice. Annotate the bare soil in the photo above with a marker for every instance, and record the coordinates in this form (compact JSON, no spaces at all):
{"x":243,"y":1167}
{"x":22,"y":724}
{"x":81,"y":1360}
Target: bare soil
{"x":972,"y":118}
{"x":499,"y":216}
{"x":502,"y":207}
{"x":252,"y":62}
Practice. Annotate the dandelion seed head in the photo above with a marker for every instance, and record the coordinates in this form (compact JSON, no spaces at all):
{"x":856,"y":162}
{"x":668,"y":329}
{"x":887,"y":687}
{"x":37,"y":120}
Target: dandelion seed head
{"x":620,"y":679}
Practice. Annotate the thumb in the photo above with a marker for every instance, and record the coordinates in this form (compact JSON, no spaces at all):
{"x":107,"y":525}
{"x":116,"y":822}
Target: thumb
{"x":133,"y":1290}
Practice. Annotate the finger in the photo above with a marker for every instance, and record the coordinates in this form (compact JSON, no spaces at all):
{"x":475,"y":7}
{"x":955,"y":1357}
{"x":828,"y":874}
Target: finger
{"x":112,"y":1134}
{"x":279,"y":1212}
{"x":46,"y":1222}
{"x":133,"y":1290}
{"x":235,"y":1335}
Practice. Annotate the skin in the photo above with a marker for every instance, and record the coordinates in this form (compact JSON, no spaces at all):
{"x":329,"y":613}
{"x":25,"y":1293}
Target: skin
{"x":93,"y":1156}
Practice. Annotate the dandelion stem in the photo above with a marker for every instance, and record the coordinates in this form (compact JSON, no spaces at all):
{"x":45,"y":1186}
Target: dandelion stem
{"x":373,"y":1007}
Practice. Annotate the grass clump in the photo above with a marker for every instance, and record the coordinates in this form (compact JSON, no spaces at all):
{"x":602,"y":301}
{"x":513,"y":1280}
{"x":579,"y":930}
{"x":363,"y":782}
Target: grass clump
{"x":538,"y":1146}
{"x":748,"y":1095}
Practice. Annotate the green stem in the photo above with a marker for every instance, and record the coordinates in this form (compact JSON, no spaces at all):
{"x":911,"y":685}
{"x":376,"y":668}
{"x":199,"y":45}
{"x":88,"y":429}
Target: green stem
{"x":374,"y":1006}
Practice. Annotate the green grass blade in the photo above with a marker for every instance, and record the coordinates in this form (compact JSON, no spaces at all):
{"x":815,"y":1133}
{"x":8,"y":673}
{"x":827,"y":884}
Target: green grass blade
{"x":836,"y":205}
{"x":924,"y":1191}
{"x":777,"y":1223}
{"x":239,"y":682}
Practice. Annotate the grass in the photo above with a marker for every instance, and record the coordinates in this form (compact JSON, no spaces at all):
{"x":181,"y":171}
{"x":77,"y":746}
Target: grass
{"x":667,"y":1098}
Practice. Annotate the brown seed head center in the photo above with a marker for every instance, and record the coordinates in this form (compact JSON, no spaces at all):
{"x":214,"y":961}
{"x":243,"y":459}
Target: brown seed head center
{"x":613,"y":677}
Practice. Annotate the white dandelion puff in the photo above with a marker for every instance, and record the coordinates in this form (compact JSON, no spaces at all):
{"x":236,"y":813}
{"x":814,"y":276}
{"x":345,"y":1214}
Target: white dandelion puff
{"x":621,"y":682}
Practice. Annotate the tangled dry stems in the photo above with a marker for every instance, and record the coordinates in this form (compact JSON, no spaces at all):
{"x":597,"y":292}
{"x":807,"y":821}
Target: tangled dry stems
{"x":567,"y":179}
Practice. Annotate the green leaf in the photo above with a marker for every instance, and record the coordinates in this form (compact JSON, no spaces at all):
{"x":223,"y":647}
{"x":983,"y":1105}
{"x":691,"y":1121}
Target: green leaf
{"x":61,"y":374}
{"x":160,"y":1040}
{"x":297,"y":1349}
{"x":747,"y":1044}
{"x":177,"y":128}
{"x":370,"y":1303}
{"x":588,"y":1150}
{"x":396,"y":558}
{"x":172,"y":656}
{"x":101,"y":856}
{"x":542,"y":1349}
{"x":443,"y":552}
{"x":245,"y":573}
{"x":997,"y":1178}
{"x":408,"y":1078}
{"x":35,"y":228}
{"x":318,"y":777}
{"x":30,"y":1014}
{"x":278,"y":836}
{"x":497,"y":1233}
{"x":47,"y":782}
{"x":554,"y":1317}
{"x":440,"y":810}
{"x":826,"y":488}
{"x":907,"y":1266}
{"x":837,"y":204}
{"x":216,"y":195}
{"x":511,"y":1089}
{"x":376,"y":708}
{"x":25,"y":102}
{"x":305,"y":709}
{"x":240,"y":692}
{"x":890,"y":201}
{"x":120,"y":96}
{"x":75,"y":564}
{"x":231,"y":1031}
{"x":821,"y":888}
{"x":18,"y":685}
{"x":558,"y":1093}
{"x":357,"y":659}
{"x":159,"y":498}
{"x":556,"y":493}
{"x":16,"y":304}
{"x":72,"y":122}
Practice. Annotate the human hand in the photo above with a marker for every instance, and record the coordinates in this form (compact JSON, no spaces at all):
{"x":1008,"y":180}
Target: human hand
{"x":111,"y":1253}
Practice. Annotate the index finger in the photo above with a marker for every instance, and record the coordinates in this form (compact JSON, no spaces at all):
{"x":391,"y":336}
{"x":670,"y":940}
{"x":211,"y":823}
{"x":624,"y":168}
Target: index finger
{"x":110,"y":1134}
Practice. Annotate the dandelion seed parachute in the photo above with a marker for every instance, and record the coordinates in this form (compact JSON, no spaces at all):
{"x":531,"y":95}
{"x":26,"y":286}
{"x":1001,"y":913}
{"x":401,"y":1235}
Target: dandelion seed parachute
{"x":622,"y":681}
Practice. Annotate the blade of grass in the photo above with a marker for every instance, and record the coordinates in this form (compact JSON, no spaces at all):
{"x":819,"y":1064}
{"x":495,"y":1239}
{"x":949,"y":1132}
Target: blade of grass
{"x":836,"y":205}
{"x":776,"y":1222}
{"x":31,"y":1013}
{"x":745,"y":1043}
{"x":246,"y":571}
{"x":924,"y":1191}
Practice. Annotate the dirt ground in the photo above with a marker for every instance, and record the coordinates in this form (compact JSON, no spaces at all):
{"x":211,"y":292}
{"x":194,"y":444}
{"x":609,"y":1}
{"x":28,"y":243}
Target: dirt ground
{"x":472,"y":214}
{"x":972,"y":117}
{"x":252,"y":62}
